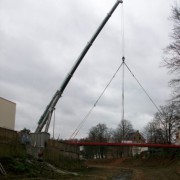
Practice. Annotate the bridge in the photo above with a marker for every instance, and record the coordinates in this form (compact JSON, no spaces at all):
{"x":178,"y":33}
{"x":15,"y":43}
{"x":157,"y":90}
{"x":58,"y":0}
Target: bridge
{"x":123,"y":144}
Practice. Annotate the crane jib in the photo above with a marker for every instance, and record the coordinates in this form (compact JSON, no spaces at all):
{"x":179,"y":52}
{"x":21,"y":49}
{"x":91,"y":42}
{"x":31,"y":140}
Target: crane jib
{"x":47,"y":113}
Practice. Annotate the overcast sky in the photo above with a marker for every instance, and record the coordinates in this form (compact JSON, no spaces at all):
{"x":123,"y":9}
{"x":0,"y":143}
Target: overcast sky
{"x":41,"y":40}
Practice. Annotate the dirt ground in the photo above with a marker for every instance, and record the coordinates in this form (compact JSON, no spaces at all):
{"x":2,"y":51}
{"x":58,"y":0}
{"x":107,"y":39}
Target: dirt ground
{"x":118,"y":169}
{"x":135,"y":169}
{"x":154,"y":169}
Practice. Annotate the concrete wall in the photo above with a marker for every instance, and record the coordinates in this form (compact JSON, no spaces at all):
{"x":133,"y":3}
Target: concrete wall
{"x":8,"y":135}
{"x":10,"y":144}
{"x":53,"y":150}
{"x":56,"y":150}
{"x":7,"y":113}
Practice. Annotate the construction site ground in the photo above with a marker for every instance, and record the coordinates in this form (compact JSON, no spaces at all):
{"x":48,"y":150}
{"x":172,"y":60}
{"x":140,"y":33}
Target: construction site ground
{"x":101,"y":169}
{"x":137,"y":169}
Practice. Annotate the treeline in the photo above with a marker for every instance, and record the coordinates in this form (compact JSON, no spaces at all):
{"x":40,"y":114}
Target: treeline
{"x":101,"y":133}
{"x":163,"y":127}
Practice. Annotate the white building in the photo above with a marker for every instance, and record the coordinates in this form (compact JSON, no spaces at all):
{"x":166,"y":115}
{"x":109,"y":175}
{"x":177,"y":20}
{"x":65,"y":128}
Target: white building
{"x":7,"y":113}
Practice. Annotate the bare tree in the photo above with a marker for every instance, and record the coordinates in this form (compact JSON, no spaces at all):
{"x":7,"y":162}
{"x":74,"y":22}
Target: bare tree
{"x":153,"y":132}
{"x":99,"y":133}
{"x":121,"y":133}
{"x":172,"y":51}
{"x":168,"y":120}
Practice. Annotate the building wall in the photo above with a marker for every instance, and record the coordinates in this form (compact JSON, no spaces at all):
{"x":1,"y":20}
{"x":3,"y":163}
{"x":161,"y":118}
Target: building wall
{"x":138,"y":138}
{"x":7,"y":114}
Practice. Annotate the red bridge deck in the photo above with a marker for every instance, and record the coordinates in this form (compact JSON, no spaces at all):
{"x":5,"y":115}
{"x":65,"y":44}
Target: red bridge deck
{"x":123,"y":144}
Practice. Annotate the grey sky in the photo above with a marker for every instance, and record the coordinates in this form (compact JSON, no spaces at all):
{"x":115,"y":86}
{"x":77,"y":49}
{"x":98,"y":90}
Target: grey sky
{"x":41,"y":40}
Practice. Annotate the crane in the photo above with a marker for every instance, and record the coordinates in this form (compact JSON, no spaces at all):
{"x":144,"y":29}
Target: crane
{"x":45,"y":118}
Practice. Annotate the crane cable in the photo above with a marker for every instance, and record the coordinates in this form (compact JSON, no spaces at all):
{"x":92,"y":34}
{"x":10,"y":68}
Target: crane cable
{"x":74,"y":134}
{"x":122,"y":120}
{"x":123,"y":56}
{"x":143,"y":89}
{"x":122,"y":31}
{"x":124,"y":64}
{"x":160,"y":114}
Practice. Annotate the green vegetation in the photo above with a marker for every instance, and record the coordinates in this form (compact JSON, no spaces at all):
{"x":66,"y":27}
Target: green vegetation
{"x":23,"y":167}
{"x":19,"y":166}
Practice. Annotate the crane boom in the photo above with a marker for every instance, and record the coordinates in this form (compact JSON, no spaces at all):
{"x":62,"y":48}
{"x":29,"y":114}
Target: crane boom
{"x":46,"y":116}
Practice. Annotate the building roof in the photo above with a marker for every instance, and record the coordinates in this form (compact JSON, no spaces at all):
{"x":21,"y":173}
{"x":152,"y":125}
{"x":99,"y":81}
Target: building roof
{"x":7,"y":100}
